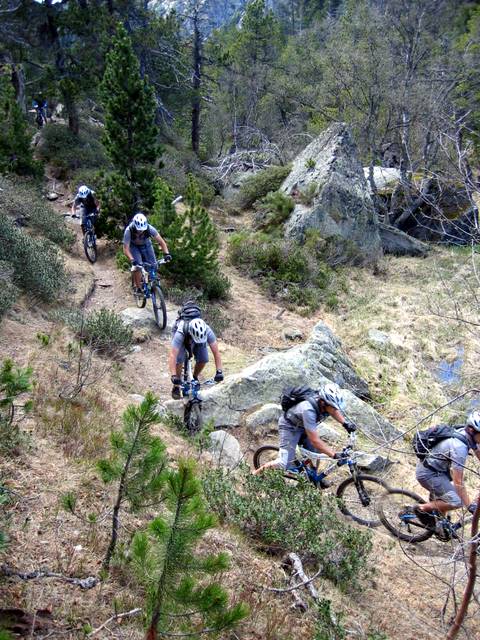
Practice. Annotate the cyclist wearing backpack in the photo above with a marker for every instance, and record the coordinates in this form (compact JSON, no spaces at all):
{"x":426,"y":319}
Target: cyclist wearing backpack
{"x":137,"y":245}
{"x":86,"y":199}
{"x":191,"y":335}
{"x":304,"y":409}
{"x":443,"y":453}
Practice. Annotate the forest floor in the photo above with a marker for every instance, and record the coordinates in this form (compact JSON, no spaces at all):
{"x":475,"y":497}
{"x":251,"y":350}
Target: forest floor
{"x":404,"y":593}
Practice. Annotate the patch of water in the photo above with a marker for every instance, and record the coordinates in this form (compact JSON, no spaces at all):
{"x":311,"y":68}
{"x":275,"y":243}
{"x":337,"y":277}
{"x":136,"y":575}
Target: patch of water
{"x":450,"y":372}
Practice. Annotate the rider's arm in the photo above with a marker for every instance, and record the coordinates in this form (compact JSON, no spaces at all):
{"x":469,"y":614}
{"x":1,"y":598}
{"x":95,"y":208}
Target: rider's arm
{"x":172,"y":360}
{"x":457,"y":479}
{"x":74,"y":206}
{"x":335,"y":413}
{"x":319,"y":444}
{"x":127,"y":252}
{"x":163,"y":245}
{"x":216,"y":355}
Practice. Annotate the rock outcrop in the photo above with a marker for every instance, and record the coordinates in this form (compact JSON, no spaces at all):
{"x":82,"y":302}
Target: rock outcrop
{"x":315,"y":362}
{"x":399,"y":243}
{"x":225,"y":449}
{"x":328,"y":183}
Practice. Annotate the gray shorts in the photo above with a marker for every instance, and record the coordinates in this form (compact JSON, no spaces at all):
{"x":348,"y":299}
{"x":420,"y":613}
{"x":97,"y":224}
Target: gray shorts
{"x":200,"y":353}
{"x":289,"y":439}
{"x":439,"y":485}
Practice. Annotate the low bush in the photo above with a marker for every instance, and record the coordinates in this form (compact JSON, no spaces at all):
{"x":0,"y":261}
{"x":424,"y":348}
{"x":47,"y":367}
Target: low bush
{"x":67,"y":153}
{"x":37,"y":266}
{"x":273,"y":210}
{"x":23,"y":203}
{"x":290,"y":518}
{"x":292,"y":273}
{"x":15,"y":382}
{"x":177,"y":164}
{"x":212,"y":314}
{"x":261,"y":183}
{"x":106,"y":332}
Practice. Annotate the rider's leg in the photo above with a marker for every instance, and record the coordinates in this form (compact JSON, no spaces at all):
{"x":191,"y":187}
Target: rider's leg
{"x":443,"y":496}
{"x":137,"y":274}
{"x":177,"y":389}
{"x":200,"y":352}
{"x":287,"y":445}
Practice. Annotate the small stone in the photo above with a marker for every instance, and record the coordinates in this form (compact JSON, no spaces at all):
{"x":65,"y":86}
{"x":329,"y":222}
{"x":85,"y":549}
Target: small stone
{"x":292,"y":333}
{"x":52,"y":196}
{"x":372,"y":462}
{"x":136,"y":348}
{"x":378,"y":339}
{"x":136,"y":398}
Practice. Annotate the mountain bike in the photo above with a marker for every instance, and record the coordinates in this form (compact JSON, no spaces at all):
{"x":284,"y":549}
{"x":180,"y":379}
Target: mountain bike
{"x":89,"y":236}
{"x":358,"y":495}
{"x":396,"y":514}
{"x":151,"y":289}
{"x":192,"y":414}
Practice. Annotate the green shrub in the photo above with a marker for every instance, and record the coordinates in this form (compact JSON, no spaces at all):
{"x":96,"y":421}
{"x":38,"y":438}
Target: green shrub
{"x":24,"y":203}
{"x":295,"y":518}
{"x":38,"y":268}
{"x":261,"y":183}
{"x":307,"y":195}
{"x":273,"y":210}
{"x":106,"y":332}
{"x":310,"y":163}
{"x":14,"y":383}
{"x":328,"y":624}
{"x":290,"y":272}
{"x":211,"y":313}
{"x":121,"y":261}
{"x":66,"y":152}
{"x":8,"y":291}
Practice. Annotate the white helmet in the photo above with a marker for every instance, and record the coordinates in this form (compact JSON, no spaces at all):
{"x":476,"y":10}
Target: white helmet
{"x":83,"y":191}
{"x":198,"y":330}
{"x":473,"y":420}
{"x":140,"y":222}
{"x":332,"y":395}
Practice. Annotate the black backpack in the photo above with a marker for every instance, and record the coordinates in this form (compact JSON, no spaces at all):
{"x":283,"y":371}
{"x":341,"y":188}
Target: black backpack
{"x":294,"y":395}
{"x":424,"y":441}
{"x":188,"y":312}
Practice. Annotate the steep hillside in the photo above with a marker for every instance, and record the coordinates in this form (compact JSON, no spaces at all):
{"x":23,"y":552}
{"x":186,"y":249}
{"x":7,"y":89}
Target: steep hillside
{"x":403,"y":592}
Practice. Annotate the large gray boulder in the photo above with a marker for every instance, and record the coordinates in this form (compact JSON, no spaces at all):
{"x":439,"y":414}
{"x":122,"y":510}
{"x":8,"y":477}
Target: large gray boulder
{"x":316,"y":362}
{"x":225,"y":449}
{"x":399,"y":243}
{"x":329,"y":175}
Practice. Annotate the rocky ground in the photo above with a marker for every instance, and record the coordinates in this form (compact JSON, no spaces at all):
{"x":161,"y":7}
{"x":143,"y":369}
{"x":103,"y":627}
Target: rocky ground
{"x":395,"y":342}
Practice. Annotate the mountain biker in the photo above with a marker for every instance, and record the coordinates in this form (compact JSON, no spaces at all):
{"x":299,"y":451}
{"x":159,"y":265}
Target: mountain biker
{"x":137,"y":245}
{"x":86,"y":199}
{"x":40,"y":105}
{"x":199,"y":335}
{"x":442,"y":472}
{"x":299,"y":425}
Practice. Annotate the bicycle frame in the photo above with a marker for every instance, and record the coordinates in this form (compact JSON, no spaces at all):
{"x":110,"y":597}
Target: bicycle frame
{"x":191,"y":387}
{"x":149,"y":275}
{"x":307,"y":456}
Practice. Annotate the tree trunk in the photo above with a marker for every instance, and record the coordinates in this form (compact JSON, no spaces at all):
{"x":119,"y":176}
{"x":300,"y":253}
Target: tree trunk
{"x":196,"y":82}
{"x":72,"y":112}
{"x":18,"y":80}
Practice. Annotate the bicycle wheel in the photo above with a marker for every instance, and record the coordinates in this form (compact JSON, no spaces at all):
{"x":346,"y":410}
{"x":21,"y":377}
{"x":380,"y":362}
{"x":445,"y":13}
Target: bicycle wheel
{"x":140,"y":299}
{"x":159,"y":308}
{"x":192,"y":416}
{"x":264,"y":454}
{"x":391,"y":508}
{"x":359,"y":498}
{"x":90,"y":246}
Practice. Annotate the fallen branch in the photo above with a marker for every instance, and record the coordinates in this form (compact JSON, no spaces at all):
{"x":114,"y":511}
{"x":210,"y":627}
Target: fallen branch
{"x":294,"y":560}
{"x":114,"y":618}
{"x":472,"y":575}
{"x":83,"y":583}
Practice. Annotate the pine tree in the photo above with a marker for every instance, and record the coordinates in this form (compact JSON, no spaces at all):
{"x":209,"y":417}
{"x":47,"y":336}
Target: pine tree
{"x":167,"y":565}
{"x":130,"y":136}
{"x":15,"y":151}
{"x":163,"y":210}
{"x":137,"y":462}
{"x":193,"y":241}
